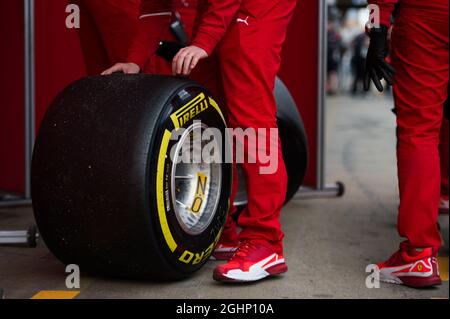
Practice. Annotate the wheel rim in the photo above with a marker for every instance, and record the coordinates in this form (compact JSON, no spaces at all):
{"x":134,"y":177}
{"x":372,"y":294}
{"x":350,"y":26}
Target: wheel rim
{"x":196,"y":185}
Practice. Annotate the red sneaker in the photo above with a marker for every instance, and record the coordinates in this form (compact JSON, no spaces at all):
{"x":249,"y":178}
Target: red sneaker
{"x":414,"y":269}
{"x":251,"y":262}
{"x":224,"y":251}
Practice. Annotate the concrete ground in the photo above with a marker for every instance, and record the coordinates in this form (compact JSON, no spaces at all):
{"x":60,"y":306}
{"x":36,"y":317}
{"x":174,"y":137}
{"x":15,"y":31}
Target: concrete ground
{"x":329,"y":242}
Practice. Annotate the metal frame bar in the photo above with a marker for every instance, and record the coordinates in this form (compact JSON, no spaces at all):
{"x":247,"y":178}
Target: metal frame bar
{"x":330,"y":190}
{"x":27,"y":237}
{"x":322,"y":42}
{"x":29,"y":101}
{"x":13,"y":237}
{"x":29,"y":46}
{"x":15,"y":203}
{"x":322,"y":189}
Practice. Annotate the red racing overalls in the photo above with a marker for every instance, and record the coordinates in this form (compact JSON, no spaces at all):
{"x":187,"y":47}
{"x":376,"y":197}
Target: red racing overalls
{"x":420,"y":56}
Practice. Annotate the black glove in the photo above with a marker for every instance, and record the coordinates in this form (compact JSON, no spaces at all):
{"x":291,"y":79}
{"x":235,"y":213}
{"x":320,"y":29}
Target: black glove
{"x":376,"y":66}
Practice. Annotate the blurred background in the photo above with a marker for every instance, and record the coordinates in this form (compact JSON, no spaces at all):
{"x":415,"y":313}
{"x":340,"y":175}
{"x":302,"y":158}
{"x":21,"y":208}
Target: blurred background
{"x":347,"y":47}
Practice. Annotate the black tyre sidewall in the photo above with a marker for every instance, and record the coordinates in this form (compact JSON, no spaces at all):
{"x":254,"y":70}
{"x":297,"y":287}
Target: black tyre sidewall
{"x":191,"y":251}
{"x":293,"y":139}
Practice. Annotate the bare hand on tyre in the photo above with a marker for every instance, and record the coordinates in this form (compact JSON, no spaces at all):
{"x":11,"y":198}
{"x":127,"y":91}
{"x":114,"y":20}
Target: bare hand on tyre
{"x":187,"y":59}
{"x":127,"y":68}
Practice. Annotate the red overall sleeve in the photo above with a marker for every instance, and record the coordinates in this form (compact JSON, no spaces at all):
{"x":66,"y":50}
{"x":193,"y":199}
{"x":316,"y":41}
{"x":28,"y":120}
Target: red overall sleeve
{"x":153,"y":22}
{"x":386,"y":9}
{"x":215,"y":20}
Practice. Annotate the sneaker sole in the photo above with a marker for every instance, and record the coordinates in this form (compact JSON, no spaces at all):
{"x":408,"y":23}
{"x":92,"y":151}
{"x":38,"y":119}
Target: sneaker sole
{"x":413,"y":282}
{"x":269,"y":272}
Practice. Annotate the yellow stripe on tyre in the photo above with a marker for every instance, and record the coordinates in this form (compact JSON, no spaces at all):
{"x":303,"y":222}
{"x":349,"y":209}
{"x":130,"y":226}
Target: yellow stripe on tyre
{"x":160,"y":192}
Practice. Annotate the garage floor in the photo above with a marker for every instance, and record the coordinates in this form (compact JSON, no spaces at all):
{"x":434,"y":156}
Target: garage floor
{"x":329,"y":242}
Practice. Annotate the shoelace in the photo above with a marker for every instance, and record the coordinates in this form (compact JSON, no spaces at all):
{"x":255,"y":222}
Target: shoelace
{"x":243,"y":249}
{"x":397,"y":258}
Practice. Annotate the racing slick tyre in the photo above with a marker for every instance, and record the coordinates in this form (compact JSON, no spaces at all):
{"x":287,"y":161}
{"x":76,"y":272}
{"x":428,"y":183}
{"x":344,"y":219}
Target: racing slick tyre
{"x":294,"y":145}
{"x":112,"y":190}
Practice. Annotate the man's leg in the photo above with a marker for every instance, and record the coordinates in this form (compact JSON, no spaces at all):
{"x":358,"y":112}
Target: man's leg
{"x":443,"y":153}
{"x":250,"y":59}
{"x":420,"y":56}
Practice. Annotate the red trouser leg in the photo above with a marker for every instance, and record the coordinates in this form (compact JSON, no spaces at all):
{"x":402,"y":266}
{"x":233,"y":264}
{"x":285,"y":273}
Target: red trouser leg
{"x":107,"y":29}
{"x":443,"y":152}
{"x":420,"y":57}
{"x":250,"y":58}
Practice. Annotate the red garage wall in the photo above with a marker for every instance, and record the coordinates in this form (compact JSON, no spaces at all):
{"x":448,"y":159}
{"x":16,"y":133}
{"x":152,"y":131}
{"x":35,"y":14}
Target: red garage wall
{"x":59,"y":62}
{"x":11,"y":97}
{"x":299,"y":72}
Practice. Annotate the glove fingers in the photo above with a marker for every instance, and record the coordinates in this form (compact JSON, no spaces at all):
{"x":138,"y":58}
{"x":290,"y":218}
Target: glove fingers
{"x":384,"y":73}
{"x":389,"y":68}
{"x":377,"y":81}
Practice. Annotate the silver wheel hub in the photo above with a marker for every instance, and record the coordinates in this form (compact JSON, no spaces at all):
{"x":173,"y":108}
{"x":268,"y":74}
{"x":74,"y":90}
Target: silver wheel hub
{"x":196,"y":186}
